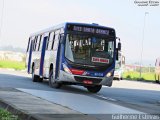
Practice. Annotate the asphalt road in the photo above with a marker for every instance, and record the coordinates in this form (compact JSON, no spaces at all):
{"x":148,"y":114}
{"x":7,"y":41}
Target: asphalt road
{"x":124,"y":93}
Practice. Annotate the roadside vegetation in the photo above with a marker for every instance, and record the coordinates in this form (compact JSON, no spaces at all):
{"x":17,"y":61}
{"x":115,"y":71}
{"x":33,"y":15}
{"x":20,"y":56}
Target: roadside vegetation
{"x":12,"y":64}
{"x":134,"y":75}
{"x":5,"y":115}
{"x":148,"y":74}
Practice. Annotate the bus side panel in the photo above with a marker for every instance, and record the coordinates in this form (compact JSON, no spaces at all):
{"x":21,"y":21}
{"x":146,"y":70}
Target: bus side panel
{"x":30,"y":58}
{"x":36,"y":59}
{"x":48,"y":60}
{"x":46,"y":64}
{"x":42,"y":56}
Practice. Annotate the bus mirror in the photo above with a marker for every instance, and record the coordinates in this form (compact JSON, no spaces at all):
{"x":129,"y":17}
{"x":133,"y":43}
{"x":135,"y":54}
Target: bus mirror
{"x":119,"y":46}
{"x":61,"y":38}
{"x":119,"y":43}
{"x":117,"y":53}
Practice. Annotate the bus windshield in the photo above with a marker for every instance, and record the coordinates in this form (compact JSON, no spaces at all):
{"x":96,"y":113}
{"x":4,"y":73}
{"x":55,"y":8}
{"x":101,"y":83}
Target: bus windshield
{"x":89,"y":49}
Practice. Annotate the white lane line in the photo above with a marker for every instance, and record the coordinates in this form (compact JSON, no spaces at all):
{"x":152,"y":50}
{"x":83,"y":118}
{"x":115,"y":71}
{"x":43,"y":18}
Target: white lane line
{"x":106,"y":98}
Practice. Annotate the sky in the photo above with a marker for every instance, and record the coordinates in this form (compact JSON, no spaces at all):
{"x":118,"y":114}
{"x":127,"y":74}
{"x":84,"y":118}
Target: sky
{"x":24,"y":17}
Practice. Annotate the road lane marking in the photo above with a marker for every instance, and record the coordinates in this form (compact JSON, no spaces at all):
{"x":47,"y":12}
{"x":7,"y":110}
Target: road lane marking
{"x":106,"y":98}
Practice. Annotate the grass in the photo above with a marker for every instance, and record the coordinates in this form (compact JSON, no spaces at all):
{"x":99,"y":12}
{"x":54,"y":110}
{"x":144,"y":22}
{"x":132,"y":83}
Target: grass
{"x":12,"y":64}
{"x":5,"y":115}
{"x":132,"y":75}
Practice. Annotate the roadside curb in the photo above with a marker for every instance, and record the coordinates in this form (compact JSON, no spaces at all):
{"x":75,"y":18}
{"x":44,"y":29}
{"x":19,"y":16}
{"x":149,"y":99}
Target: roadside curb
{"x":145,"y":81}
{"x":25,"y":106}
{"x":15,"y":111}
{"x":25,"y":116}
{"x":12,"y":69}
{"x":9,"y":69}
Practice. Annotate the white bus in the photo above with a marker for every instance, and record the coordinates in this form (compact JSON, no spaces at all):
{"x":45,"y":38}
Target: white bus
{"x":119,"y":67}
{"x":73,"y":54}
{"x":157,"y":70}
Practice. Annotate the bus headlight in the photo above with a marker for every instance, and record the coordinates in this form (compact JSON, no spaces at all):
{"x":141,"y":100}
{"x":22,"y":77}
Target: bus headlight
{"x":109,"y":74}
{"x":66,"y":69}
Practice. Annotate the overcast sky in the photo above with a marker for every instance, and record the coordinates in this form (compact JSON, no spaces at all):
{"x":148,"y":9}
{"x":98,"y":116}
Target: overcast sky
{"x":23,"y":17}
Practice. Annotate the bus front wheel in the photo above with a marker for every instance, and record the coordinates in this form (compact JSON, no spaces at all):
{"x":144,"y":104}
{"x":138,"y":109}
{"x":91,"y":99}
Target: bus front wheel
{"x":52,"y":82}
{"x":94,"y":89}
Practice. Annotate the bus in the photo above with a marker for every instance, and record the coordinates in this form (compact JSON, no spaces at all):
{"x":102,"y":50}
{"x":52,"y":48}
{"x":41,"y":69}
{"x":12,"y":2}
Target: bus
{"x":119,"y":67}
{"x":157,"y":70}
{"x":73,"y":54}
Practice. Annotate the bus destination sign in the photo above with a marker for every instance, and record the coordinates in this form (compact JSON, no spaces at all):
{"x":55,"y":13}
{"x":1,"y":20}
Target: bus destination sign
{"x":85,"y":29}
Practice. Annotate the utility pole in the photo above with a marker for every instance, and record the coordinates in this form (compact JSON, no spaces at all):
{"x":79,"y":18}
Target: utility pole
{"x":1,"y":22}
{"x":142,"y":44}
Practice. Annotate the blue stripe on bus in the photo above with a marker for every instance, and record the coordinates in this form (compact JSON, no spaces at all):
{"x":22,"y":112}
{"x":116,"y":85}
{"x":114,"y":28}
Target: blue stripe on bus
{"x":58,"y":61}
{"x":42,"y":56}
{"x":29,"y":58}
{"x":62,"y":56}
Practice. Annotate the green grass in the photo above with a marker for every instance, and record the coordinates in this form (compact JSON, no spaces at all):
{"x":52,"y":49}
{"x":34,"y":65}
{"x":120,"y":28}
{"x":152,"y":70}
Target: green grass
{"x":12,"y":64}
{"x":136,"y":76}
{"x":5,"y":115}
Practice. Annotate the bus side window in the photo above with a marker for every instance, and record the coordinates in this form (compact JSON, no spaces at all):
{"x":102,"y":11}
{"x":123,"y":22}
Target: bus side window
{"x":40,"y":48}
{"x":51,"y":40}
{"x":38,"y":40}
{"x":31,"y":41}
{"x":47,"y":43}
{"x":28,"y":47}
{"x":62,"y":30}
{"x":35,"y":43}
{"x":55,"y":46}
{"x":40,"y":36}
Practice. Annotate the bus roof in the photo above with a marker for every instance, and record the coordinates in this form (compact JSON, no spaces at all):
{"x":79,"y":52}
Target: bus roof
{"x":63,"y":25}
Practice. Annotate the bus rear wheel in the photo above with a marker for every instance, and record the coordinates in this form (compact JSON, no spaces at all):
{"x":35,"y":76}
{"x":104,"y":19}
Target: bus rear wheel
{"x":157,"y":79}
{"x":52,"y":82}
{"x":40,"y":79}
{"x":34,"y":77}
{"x":94,"y":89}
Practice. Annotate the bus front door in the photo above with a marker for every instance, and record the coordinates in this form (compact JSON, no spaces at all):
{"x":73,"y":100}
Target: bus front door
{"x":42,"y":56}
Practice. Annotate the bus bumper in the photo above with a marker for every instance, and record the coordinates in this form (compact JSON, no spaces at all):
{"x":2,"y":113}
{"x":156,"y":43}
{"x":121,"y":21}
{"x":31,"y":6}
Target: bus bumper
{"x":77,"y":79}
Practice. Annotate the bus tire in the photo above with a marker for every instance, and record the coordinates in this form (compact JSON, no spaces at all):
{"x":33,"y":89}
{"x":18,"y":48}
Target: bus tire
{"x":34,"y":77}
{"x":94,"y":89}
{"x":52,"y":82}
{"x":40,"y":79}
{"x":156,"y":79}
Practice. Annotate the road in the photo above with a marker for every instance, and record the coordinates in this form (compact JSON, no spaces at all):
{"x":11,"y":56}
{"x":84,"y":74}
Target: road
{"x":128,"y":94}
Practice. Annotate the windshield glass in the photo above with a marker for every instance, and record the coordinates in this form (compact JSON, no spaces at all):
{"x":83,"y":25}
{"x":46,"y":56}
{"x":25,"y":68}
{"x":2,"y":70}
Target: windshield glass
{"x":89,"y":50}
